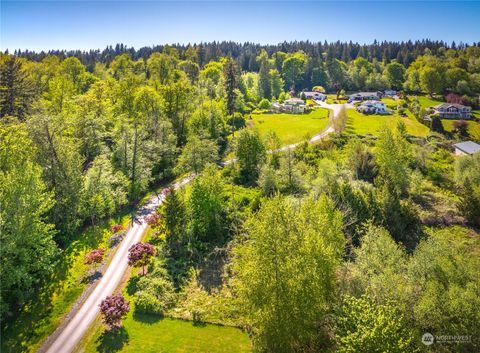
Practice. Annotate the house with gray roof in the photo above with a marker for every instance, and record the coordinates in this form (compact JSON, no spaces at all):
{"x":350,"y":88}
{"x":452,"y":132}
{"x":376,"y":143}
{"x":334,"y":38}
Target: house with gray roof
{"x":364,"y":96}
{"x":453,"y":111}
{"x":466,"y":148}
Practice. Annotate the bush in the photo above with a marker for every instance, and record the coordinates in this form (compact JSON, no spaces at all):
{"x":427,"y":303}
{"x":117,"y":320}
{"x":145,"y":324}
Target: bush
{"x":364,"y":326}
{"x":155,"y":294}
{"x":264,"y":104}
{"x":147,"y":303}
{"x":461,"y":127}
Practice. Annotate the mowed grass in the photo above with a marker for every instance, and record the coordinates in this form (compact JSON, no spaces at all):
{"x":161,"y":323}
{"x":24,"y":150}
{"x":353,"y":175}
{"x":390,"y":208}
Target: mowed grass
{"x":361,"y":124}
{"x":427,"y":102}
{"x":291,"y":128}
{"x":473,"y":128}
{"x":147,"y":333}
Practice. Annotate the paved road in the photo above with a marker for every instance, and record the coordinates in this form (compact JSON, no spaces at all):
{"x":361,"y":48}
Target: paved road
{"x":67,"y":336}
{"x":71,"y":334}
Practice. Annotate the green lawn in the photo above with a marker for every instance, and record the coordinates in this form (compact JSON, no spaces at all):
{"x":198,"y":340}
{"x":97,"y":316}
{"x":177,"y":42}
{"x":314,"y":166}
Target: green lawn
{"x":360,"y":124}
{"x":146,"y":333}
{"x":291,"y":128}
{"x":41,"y":317}
{"x":473,"y":128}
{"x":426,"y":102}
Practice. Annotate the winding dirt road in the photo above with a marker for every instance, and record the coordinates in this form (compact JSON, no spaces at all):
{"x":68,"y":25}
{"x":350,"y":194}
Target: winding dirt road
{"x":67,"y":336}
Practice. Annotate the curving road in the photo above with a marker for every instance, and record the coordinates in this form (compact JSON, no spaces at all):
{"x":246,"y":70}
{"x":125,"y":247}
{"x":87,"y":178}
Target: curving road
{"x":67,"y":336}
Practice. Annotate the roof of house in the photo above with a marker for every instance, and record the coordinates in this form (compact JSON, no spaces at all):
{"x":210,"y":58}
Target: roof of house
{"x":468,"y":147}
{"x":311,"y":92}
{"x":294,"y":101}
{"x":373,"y":102}
{"x":448,"y":105}
{"x":365,"y":94}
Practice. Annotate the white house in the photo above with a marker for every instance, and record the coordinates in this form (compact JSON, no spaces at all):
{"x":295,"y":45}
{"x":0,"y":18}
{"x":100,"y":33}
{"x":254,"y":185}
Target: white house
{"x":373,"y":107}
{"x":363,"y":96}
{"x":315,"y":95}
{"x":453,"y":111}
{"x":390,"y":92}
{"x":295,"y":105}
{"x":466,"y":148}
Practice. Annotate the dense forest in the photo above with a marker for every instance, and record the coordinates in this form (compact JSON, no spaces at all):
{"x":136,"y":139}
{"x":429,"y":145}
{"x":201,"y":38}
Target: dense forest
{"x":358,"y":243}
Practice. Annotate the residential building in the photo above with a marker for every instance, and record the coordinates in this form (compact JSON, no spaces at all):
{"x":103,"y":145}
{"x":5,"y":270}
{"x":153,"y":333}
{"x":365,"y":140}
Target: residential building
{"x":295,"y":105}
{"x":466,"y":148}
{"x":315,"y":96}
{"x":373,"y":107}
{"x":453,"y":111}
{"x":389,"y":92}
{"x":364,"y":96}
{"x":292,"y":105}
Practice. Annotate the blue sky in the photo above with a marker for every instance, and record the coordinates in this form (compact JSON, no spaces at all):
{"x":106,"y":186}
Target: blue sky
{"x":42,"y":25}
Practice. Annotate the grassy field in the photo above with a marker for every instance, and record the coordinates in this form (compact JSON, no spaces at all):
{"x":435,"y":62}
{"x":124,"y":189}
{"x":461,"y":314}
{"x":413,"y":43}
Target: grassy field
{"x":291,"y":128}
{"x":146,"y":333}
{"x":41,"y":317}
{"x":360,"y":124}
{"x":473,"y":128}
{"x":426,"y":102}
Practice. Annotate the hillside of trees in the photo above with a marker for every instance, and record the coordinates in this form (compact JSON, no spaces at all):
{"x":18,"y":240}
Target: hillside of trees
{"x":355,"y":244}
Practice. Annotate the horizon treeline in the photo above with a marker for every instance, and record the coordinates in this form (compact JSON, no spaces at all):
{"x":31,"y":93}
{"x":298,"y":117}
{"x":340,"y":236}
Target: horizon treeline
{"x":404,"y":52}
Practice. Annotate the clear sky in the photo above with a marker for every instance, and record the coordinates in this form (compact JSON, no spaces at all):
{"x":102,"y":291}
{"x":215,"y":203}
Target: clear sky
{"x":42,"y":25}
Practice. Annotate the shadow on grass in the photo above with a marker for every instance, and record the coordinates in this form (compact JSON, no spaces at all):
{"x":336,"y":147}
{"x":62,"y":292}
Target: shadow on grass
{"x":132,"y":285}
{"x":147,"y":318}
{"x":112,"y":341}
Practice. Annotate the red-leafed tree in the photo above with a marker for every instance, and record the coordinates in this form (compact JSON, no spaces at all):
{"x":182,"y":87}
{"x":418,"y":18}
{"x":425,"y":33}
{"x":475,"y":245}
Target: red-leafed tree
{"x":153,"y":220}
{"x":140,"y":254}
{"x":114,"y":308}
{"x":115,"y":228}
{"x":453,"y":98}
{"x":95,"y":256}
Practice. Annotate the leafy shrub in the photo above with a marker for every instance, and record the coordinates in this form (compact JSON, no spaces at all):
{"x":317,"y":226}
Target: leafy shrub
{"x":155,"y":293}
{"x":147,"y":303}
{"x":364,"y":326}
{"x":264,"y":104}
{"x":461,"y":127}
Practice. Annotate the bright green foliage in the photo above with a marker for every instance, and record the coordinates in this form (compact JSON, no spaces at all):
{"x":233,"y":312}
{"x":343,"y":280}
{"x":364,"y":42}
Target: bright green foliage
{"x":105,"y":189}
{"x":205,"y":209}
{"x":395,"y":73}
{"x":27,"y":247}
{"x":444,"y":271}
{"x":173,"y":218}
{"x":264,"y":104}
{"x":379,"y":264}
{"x":196,"y":154}
{"x":292,"y":69}
{"x":468,"y":179}
{"x":58,"y":154}
{"x":250,"y":153}
{"x":286,"y":272}
{"x":363,"y":326}
{"x":392,"y":155}
{"x":154,"y":293}
{"x":208,"y":121}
